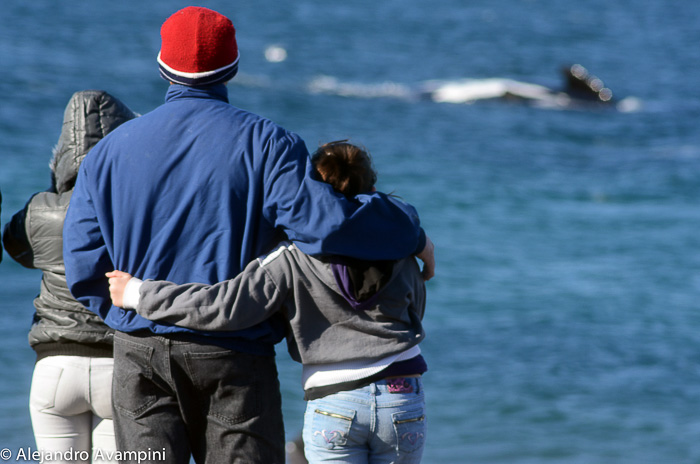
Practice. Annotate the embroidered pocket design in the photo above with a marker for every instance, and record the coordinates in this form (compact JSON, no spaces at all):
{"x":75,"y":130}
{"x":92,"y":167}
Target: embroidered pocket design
{"x":412,"y":437}
{"x":329,"y":436}
{"x":399,"y":385}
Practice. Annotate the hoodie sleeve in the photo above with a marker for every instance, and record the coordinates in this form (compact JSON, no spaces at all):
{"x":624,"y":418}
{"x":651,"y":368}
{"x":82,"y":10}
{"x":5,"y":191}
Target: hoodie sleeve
{"x":323,"y":222}
{"x":236,"y":304}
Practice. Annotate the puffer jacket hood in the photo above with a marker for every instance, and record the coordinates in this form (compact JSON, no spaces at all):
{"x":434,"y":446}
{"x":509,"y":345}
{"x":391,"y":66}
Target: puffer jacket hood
{"x":89,"y":116}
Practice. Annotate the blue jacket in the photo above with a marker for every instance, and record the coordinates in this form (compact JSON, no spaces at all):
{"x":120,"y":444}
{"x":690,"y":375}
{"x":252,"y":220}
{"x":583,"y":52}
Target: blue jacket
{"x":196,"y":189}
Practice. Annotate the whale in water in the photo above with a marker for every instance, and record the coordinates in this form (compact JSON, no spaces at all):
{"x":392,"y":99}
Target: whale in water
{"x":580,"y":89}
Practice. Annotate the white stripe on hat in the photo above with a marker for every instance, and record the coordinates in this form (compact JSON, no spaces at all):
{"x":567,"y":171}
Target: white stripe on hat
{"x":196,"y":75}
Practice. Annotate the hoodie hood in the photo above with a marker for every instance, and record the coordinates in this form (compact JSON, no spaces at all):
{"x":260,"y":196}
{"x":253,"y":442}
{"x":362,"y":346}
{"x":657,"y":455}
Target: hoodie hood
{"x":89,"y":116}
{"x":360,"y":282}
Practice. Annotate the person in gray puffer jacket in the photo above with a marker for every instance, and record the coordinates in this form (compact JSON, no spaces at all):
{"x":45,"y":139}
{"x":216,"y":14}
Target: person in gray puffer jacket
{"x":70,"y":398}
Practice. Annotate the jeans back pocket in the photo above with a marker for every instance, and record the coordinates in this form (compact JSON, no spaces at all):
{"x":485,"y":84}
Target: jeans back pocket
{"x":45,"y":382}
{"x":330,"y":426}
{"x":133,"y":388}
{"x":410,"y":428}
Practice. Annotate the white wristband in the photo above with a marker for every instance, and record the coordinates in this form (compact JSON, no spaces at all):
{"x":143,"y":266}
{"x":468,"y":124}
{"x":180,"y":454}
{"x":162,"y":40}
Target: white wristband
{"x":131,"y":293}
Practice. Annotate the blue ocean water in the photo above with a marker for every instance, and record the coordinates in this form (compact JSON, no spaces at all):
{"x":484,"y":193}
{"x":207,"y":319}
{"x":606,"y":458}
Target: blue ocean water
{"x":562,"y":323}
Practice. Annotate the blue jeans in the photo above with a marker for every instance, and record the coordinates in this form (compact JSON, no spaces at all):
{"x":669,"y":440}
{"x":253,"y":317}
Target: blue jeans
{"x":181,"y":398}
{"x":383,"y":422}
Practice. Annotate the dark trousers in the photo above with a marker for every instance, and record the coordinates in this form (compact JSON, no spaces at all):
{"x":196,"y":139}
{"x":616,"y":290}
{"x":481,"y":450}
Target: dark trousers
{"x":179,"y":398}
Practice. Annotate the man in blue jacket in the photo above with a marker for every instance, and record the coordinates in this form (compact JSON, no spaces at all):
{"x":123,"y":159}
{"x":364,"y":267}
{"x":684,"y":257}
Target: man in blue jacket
{"x":191,"y":192}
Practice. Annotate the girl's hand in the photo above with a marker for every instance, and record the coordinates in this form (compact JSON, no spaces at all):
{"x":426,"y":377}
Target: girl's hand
{"x":117,"y":284}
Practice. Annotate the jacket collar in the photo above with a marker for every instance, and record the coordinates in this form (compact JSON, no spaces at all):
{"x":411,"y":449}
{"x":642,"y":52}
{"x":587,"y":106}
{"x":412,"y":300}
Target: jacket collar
{"x":178,"y":92}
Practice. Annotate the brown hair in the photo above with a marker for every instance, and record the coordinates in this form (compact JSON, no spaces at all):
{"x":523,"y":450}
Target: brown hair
{"x":347,"y":167}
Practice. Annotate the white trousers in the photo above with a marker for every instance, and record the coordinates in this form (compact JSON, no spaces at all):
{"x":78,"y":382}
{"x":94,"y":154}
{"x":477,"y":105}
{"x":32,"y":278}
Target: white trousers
{"x":71,"y":409}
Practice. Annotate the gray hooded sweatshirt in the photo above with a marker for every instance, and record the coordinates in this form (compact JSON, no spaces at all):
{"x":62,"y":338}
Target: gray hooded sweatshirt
{"x":34,"y":236}
{"x":335,"y":325}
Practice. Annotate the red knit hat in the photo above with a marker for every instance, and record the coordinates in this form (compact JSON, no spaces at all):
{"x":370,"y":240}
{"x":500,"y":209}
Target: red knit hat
{"x":198,"y":47}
